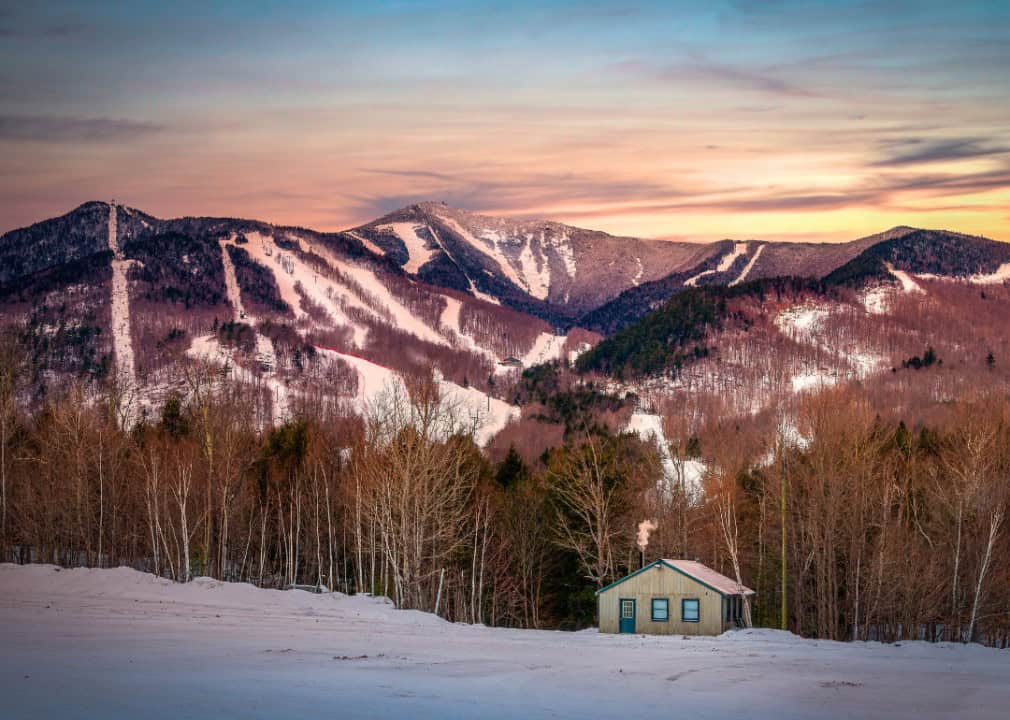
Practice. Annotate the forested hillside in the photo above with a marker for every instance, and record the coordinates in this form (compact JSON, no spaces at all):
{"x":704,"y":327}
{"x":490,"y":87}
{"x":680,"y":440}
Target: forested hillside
{"x":891,"y":530}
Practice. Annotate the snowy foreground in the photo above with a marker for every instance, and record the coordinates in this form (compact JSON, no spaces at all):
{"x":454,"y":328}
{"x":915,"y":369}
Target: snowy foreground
{"x":121,"y":644}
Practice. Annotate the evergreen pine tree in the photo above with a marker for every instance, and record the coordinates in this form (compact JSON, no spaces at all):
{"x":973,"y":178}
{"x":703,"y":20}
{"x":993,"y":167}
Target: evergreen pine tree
{"x":511,"y":470}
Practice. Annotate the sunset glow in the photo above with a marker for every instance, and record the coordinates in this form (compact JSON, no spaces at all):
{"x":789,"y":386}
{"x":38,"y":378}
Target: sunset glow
{"x":778,"y":120}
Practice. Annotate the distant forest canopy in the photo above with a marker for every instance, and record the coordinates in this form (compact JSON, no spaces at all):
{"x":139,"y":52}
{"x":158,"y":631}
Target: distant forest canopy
{"x":846,"y":524}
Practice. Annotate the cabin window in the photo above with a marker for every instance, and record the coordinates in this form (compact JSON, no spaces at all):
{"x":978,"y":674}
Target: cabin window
{"x":660,"y":609}
{"x":690,"y":610}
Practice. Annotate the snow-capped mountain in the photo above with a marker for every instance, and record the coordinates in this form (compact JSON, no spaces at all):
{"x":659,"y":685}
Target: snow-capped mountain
{"x":551,"y":270}
{"x":109,"y":291}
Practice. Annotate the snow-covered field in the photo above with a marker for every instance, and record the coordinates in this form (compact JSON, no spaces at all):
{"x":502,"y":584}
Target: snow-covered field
{"x":122,"y":644}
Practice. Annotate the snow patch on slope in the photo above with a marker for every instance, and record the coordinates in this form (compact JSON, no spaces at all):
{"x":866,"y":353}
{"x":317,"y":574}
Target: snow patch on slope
{"x":529,"y":271}
{"x":545,"y":348}
{"x":799,"y":322}
{"x":291,"y":273}
{"x":812,"y":380}
{"x":383,"y":300}
{"x":473,"y":288}
{"x":487,"y":415}
{"x":536,"y":271}
{"x":907,"y":283}
{"x":727,"y":261}
{"x":877,"y":300}
{"x":265,"y":354}
{"x":209,"y":349}
{"x":418,"y":252}
{"x":261,"y":249}
{"x":489,"y":239}
{"x":999,"y":277}
{"x":789,"y":436}
{"x":122,"y":339}
{"x":563,"y":245}
{"x":366,"y":242}
{"x":230,"y":282}
{"x":677,"y":472}
{"x":806,"y":324}
{"x":639,"y":271}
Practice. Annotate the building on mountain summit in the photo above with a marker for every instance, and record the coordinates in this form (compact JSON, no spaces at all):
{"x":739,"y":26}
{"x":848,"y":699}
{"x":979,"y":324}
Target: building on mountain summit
{"x":672,"y":597}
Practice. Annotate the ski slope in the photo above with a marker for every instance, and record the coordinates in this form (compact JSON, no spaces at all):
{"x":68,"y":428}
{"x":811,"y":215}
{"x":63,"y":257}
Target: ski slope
{"x":725,"y":263}
{"x":418,"y":252}
{"x":122,"y":336}
{"x":486,"y":415}
{"x":908,"y":284}
{"x":450,"y":321}
{"x":750,"y":266}
{"x":116,"y":644}
{"x":207,"y":348}
{"x":545,"y":348}
{"x":531,"y":267}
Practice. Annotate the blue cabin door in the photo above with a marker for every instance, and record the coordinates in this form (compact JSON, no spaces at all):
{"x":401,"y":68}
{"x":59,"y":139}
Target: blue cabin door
{"x":627,"y":608}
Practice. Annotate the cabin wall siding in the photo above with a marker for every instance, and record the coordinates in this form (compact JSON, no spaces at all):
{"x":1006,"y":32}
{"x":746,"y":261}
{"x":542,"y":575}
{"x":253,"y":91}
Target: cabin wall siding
{"x":661,"y":581}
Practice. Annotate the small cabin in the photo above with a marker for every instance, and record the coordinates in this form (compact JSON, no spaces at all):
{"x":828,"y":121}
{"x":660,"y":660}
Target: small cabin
{"x":672,"y":597}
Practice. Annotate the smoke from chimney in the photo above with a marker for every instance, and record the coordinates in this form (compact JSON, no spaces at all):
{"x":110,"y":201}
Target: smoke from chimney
{"x":644,"y":528}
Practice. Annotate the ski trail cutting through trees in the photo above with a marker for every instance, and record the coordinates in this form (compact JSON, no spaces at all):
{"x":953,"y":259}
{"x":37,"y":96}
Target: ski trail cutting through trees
{"x":450,"y":321}
{"x":266,"y":358}
{"x":486,"y":416}
{"x":265,"y":355}
{"x":473,"y":288}
{"x":750,"y":266}
{"x":908,"y":285}
{"x":725,"y":263}
{"x":122,"y":341}
{"x":231,"y":283}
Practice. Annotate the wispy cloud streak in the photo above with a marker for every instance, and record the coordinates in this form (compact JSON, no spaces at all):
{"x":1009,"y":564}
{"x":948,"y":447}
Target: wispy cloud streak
{"x":731,"y":77}
{"x":932,"y":151}
{"x":63,"y":129}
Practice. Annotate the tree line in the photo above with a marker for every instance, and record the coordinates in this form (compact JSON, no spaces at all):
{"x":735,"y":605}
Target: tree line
{"x":856,"y":528}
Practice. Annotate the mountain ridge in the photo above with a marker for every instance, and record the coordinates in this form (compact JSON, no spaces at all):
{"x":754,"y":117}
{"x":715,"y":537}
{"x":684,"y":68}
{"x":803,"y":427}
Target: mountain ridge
{"x":558,"y":272}
{"x":109,"y":292}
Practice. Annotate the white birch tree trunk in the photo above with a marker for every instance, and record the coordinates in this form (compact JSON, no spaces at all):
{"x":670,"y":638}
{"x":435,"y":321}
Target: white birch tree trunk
{"x":995,"y":521}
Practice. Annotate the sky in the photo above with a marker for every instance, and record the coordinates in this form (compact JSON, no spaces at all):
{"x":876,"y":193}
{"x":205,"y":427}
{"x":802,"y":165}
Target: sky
{"x":771,"y":119}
